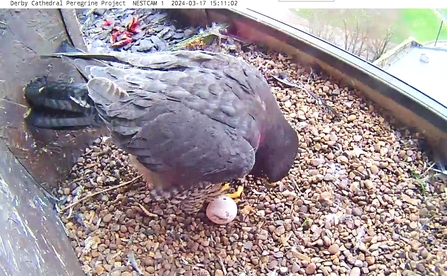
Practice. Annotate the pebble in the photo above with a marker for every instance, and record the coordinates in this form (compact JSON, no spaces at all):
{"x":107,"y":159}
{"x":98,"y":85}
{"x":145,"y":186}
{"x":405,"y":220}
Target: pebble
{"x":357,"y":211}
{"x":373,"y":247}
{"x":295,"y":268}
{"x":327,"y":241}
{"x":334,"y":249}
{"x":107,"y":218}
{"x":412,"y":201}
{"x":283,"y":270}
{"x":413,"y":225}
{"x":369,"y":184}
{"x":273,"y":264}
{"x":280,"y":230}
{"x":343,"y":159}
{"x":370,"y":260}
{"x":374,"y":169}
{"x":355,"y":271}
{"x":310,"y":268}
{"x":352,"y":118}
{"x":317,"y":162}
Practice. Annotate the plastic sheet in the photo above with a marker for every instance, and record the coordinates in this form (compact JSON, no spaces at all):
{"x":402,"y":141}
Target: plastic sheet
{"x":32,"y":239}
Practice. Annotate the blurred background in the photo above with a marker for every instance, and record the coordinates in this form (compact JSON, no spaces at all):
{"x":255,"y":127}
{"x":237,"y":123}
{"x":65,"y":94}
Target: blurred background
{"x":410,"y":44}
{"x":368,"y":33}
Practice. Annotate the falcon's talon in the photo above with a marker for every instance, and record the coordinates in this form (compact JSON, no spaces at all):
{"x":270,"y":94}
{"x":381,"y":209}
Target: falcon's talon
{"x":237,"y":194}
{"x":271,"y":185}
{"x":225,"y":187}
{"x":274,"y":184}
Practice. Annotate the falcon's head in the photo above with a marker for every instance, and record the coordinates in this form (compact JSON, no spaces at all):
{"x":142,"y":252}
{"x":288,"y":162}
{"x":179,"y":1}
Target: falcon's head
{"x":276,"y":153}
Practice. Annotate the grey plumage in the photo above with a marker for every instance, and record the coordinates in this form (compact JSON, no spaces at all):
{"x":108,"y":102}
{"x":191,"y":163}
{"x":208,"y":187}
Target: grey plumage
{"x":193,"y":119}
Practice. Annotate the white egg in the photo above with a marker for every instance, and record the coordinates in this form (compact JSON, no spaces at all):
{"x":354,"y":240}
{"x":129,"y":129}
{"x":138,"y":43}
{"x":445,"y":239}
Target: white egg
{"x":222,"y":210}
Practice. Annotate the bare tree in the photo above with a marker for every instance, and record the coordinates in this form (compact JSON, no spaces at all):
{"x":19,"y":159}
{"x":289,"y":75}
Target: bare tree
{"x":319,"y":27}
{"x":366,"y":33}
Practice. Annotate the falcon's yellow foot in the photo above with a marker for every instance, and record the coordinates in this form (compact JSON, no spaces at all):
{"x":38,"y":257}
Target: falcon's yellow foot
{"x":237,"y":194}
{"x":225,"y":187}
{"x":270,"y":185}
{"x":234,"y":195}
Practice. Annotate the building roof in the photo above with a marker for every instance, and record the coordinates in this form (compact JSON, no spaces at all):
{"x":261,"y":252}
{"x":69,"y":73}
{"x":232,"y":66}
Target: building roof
{"x":424,"y":68}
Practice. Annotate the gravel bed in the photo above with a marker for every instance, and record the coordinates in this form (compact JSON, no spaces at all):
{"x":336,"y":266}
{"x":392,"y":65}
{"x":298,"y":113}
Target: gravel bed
{"x":361,"y":199}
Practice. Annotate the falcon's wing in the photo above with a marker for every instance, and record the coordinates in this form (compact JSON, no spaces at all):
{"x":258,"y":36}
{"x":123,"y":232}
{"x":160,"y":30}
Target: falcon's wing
{"x":186,"y":126}
{"x":248,"y":78}
{"x":226,"y":96}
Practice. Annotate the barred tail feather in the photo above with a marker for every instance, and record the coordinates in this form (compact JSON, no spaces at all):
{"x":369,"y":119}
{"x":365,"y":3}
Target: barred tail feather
{"x":58,"y":105}
{"x":58,"y":95}
{"x":61,"y":121}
